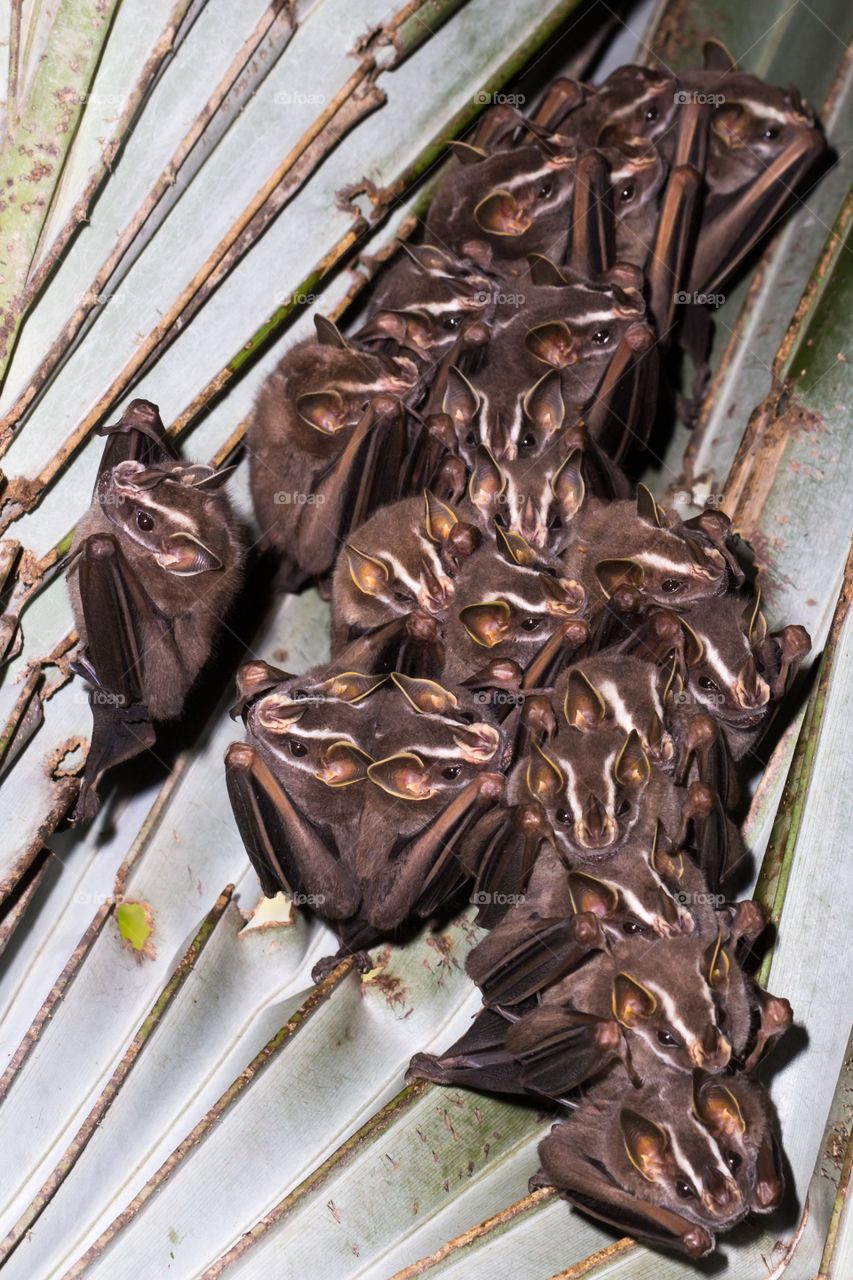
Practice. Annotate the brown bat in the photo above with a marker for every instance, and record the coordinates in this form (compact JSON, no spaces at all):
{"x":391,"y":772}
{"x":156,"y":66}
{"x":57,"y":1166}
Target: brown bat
{"x":156,"y":564}
{"x":326,"y":441}
{"x":661,"y":1162}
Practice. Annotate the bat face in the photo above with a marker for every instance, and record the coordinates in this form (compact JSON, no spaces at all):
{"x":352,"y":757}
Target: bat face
{"x":396,"y":564}
{"x":614,"y":546}
{"x":633,"y":102}
{"x":167,"y":516}
{"x":629,"y":896}
{"x":505,"y":610}
{"x":663,"y":994}
{"x":638,"y":172}
{"x":620,"y":690}
{"x":426,"y":299}
{"x":516,"y":202}
{"x":738,"y":1113}
{"x":591,"y":786}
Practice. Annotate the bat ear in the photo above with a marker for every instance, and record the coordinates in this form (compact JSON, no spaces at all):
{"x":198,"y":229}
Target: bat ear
{"x":253,"y":679}
{"x":215,"y":479}
{"x":426,"y":696}
{"x":718,"y":1108}
{"x":477,"y":743}
{"x":544,"y":271}
{"x":667,"y":865}
{"x":516,"y":548}
{"x":754,"y":622}
{"x":568,"y":485}
{"x":369,"y":574}
{"x":631,"y":1001}
{"x":646,"y":1144}
{"x":583,"y":705}
{"x":552,"y":344}
{"x":487,"y":481}
{"x":278,"y":712}
{"x":647,"y":508}
{"x":323,"y":410}
{"x":488,"y":623}
{"x":342,"y":764}
{"x":716,"y":57}
{"x":694,"y":649}
{"x":673,"y":685}
{"x":185,"y":556}
{"x":403,"y":776}
{"x":429,"y":258}
{"x":590,"y":894}
{"x":461,"y":401}
{"x":329,"y":335}
{"x":632,"y":767}
{"x":717,"y":963}
{"x":440,"y":518}
{"x":545,"y":779}
{"x":618,"y":573}
{"x":466,"y":153}
{"x":544,"y":402}
{"x":563,"y":596}
{"x":349,"y":686}
{"x":500,"y":214}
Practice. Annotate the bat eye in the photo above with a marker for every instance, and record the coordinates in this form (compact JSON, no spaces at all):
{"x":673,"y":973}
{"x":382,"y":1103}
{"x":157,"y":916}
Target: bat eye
{"x":709,"y":685}
{"x":471,"y":438}
{"x":452,"y":771}
{"x":403,"y":597}
{"x":627,"y":192}
{"x":544,"y":189}
{"x":452,"y":321}
{"x":144,"y":521}
{"x":772,"y":131}
{"x":600,"y":337}
{"x":623,"y":808}
{"x":733,"y":1160}
{"x":668,"y":1040}
{"x":672,"y":585}
{"x":632,"y":926}
{"x":527,"y":441}
{"x":683,"y":1189}
{"x":652,"y":113}
{"x":297,"y":748}
{"x":564,"y":816}
{"x":531,"y":624}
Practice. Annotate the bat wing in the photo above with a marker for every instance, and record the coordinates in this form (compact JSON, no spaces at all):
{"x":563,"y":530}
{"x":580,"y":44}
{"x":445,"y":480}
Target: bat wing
{"x":558,"y":1049}
{"x":113,"y":605}
{"x":479,"y":1060}
{"x":519,"y":959}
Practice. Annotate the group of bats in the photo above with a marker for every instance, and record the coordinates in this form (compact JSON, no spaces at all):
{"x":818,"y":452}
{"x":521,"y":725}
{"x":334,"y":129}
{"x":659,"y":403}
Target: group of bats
{"x":541,"y":679}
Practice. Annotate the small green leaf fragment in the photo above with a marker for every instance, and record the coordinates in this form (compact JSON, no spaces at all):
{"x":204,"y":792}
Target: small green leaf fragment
{"x":134,"y":923}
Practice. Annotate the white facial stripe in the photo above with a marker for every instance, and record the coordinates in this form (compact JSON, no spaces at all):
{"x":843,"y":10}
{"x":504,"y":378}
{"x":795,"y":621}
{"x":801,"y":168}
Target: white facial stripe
{"x":763,"y":110}
{"x":714,"y":659}
{"x":672,"y":1014}
{"x":656,"y":561}
{"x":636,"y":905}
{"x":525,"y":179}
{"x":615,"y":701}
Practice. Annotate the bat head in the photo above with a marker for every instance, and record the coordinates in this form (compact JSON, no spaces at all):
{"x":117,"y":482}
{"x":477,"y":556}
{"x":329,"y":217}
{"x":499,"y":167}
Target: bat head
{"x":738,"y":1113}
{"x":665,"y":993}
{"x":629,"y":896}
{"x":399,"y":562}
{"x":509,"y":601}
{"x":752,"y":125}
{"x":633,"y":102}
{"x":427,"y":298}
{"x":637,"y":545}
{"x":621,"y":690}
{"x":719,"y":661}
{"x":172,"y":516}
{"x":591,"y":784}
{"x":315,"y":732}
{"x":509,"y":204}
